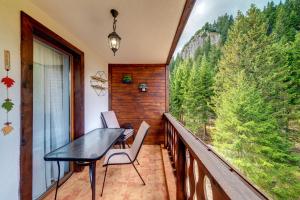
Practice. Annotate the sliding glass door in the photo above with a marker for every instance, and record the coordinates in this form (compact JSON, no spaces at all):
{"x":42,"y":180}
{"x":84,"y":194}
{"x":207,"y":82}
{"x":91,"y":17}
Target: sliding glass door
{"x":51,"y":113}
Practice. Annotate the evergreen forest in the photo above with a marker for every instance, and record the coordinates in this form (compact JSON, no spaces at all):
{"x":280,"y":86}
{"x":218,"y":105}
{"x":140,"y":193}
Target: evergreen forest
{"x":242,"y":95}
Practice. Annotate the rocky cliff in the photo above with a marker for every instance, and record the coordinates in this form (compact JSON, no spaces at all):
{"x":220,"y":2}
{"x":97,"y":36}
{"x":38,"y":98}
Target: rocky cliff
{"x":198,"y":40}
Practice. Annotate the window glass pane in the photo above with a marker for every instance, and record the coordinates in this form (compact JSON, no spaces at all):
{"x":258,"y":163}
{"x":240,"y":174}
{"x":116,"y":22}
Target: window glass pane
{"x":51,"y":113}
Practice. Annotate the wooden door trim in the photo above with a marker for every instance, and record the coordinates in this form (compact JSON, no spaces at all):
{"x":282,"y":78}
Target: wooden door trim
{"x":31,"y":28}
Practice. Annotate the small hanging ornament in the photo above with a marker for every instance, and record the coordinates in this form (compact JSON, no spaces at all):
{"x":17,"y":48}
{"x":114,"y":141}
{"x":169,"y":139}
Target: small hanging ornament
{"x":7,"y":128}
{"x":9,"y":82}
{"x":7,"y":60}
{"x":8,"y":105}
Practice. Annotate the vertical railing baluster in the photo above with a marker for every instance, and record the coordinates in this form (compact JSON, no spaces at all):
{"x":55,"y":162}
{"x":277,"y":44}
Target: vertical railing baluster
{"x":174,"y":145}
{"x":175,"y":149}
{"x":199,"y":185}
{"x":165,"y":133}
{"x":169,"y":135}
{"x":180,"y":170}
{"x":187,"y":160}
{"x":171,"y":144}
{"x":191,"y":177}
{"x":171,"y":141}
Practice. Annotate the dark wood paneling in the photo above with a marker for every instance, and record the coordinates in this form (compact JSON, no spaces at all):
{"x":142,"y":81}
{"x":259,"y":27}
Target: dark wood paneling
{"x":188,"y":7}
{"x":133,"y":106}
{"x":31,"y":28}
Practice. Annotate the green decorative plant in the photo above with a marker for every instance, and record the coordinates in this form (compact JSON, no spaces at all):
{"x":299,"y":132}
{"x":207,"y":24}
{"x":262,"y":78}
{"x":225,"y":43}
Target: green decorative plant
{"x":127,"y":78}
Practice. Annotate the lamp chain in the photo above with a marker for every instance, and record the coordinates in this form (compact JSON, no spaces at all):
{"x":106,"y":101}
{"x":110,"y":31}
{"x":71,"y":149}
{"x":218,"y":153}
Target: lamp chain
{"x":114,"y":24}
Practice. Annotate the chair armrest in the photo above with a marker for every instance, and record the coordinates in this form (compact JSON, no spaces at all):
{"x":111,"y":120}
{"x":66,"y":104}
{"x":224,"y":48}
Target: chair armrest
{"x":126,"y":126}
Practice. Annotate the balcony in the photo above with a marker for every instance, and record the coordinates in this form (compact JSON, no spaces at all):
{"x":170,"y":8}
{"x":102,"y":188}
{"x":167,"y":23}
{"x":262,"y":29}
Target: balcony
{"x":183,"y":168}
{"x":174,"y":163}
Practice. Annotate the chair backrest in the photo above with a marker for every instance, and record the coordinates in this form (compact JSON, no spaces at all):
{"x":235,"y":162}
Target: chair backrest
{"x":139,"y":139}
{"x":110,"y":119}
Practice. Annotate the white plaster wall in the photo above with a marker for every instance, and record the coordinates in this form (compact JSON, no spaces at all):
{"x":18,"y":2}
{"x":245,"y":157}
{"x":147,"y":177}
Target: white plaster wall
{"x":10,"y":40}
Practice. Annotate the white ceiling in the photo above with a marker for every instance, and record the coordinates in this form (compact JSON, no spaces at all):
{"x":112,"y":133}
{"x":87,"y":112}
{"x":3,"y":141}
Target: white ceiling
{"x":147,"y":27}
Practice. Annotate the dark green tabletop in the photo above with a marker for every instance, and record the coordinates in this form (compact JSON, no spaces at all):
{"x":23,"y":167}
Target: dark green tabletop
{"x":90,"y":147}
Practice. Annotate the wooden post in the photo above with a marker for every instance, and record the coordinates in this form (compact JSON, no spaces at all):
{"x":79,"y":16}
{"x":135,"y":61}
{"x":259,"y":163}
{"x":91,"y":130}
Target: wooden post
{"x":165,"y":133}
{"x":180,"y":170}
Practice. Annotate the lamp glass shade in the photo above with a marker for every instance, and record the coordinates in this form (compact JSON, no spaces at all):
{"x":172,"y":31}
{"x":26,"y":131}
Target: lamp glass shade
{"x":114,"y":41}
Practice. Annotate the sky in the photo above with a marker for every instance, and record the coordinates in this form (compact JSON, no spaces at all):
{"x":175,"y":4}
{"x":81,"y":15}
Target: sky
{"x":209,"y":10}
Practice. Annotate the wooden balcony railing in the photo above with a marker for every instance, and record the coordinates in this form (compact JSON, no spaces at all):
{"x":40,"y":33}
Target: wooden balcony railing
{"x":200,"y":173}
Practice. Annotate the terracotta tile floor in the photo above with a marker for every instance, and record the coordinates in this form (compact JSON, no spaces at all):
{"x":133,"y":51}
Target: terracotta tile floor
{"x":122,"y":181}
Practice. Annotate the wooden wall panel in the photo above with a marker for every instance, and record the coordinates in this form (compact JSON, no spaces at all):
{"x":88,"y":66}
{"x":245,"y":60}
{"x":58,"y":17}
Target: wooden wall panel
{"x":131,"y":105}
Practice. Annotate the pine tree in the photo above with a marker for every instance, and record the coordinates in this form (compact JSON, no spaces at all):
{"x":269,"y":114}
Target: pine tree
{"x":206,"y":46}
{"x":270,"y":14}
{"x":293,"y":79}
{"x":222,"y":25}
{"x":178,"y":88}
{"x":287,"y":21}
{"x":205,"y":94}
{"x":251,"y":106}
{"x":248,"y":135}
{"x":191,"y":99}
{"x":214,"y":56}
{"x":174,"y":63}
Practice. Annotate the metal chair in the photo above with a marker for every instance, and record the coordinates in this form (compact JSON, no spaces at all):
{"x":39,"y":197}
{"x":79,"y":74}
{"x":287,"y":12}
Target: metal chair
{"x":126,"y":156}
{"x":110,"y":120}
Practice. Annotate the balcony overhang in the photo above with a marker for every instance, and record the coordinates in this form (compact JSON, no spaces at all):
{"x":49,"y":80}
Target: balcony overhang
{"x":150,"y":30}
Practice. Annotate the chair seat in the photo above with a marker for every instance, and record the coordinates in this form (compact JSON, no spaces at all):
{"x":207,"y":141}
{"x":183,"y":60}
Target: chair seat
{"x":127,"y":156}
{"x":118,"y":159}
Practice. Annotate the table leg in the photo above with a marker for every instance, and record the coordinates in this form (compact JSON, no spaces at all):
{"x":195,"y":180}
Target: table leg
{"x":57,"y":183}
{"x":90,"y":174}
{"x":93,"y":169}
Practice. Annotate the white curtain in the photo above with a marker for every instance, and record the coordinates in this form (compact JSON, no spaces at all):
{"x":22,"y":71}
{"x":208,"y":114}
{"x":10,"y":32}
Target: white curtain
{"x":51,"y":116}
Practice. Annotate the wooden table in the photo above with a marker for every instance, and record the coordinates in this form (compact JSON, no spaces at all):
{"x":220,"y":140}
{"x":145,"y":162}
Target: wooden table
{"x":86,"y":150}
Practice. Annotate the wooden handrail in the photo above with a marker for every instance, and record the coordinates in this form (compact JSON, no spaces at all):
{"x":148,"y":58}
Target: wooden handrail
{"x":226,"y":181}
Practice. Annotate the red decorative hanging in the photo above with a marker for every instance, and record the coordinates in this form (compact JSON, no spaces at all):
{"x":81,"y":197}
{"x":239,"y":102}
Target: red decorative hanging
{"x":7,"y":105}
{"x":9,"y":82}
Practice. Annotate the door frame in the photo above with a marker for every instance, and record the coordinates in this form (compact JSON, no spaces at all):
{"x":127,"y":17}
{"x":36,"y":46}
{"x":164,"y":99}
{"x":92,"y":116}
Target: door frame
{"x":31,"y":28}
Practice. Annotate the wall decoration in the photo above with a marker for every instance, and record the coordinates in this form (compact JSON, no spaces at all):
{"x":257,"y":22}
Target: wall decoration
{"x":7,"y":81}
{"x":7,"y":105}
{"x":6,"y":60}
{"x":7,"y":128}
{"x":99,"y":83}
{"x":127,"y":78}
{"x":143,"y":87}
